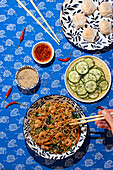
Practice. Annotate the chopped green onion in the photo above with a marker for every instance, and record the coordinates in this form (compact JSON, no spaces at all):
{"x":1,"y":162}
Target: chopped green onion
{"x":58,"y":144}
{"x":52,"y":121}
{"x":33,"y":122}
{"x":67,"y":148}
{"x":56,"y":112}
{"x":48,"y":105}
{"x":66,"y":123}
{"x":35,"y":113}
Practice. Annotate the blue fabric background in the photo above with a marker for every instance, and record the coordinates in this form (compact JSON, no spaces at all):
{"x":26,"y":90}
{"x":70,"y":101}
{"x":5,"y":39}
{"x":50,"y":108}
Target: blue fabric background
{"x":13,"y":151}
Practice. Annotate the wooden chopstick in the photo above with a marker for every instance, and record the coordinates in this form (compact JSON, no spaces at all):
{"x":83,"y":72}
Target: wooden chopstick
{"x":43,"y":18}
{"x":91,"y":120}
{"x":89,"y":117}
{"x":20,"y":3}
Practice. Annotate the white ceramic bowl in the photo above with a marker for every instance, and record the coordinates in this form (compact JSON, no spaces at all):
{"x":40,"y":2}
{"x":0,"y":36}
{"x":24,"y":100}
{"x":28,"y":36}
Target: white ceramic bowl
{"x":45,"y":62}
{"x":27,"y":90}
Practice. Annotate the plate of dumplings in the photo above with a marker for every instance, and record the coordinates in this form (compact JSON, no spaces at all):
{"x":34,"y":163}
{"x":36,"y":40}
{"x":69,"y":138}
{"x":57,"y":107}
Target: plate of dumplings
{"x":87,"y":24}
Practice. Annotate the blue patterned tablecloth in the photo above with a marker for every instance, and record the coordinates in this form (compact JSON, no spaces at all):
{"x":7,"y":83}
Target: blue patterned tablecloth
{"x":97,"y":154}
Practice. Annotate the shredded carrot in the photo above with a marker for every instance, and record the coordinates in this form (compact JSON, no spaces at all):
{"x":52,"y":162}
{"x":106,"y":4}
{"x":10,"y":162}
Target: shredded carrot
{"x":50,"y":137}
{"x":50,"y":126}
{"x":40,"y":118}
{"x":57,"y":105}
{"x":78,"y":136}
{"x":63,"y":117}
{"x":47,"y":143}
{"x":63,"y":138}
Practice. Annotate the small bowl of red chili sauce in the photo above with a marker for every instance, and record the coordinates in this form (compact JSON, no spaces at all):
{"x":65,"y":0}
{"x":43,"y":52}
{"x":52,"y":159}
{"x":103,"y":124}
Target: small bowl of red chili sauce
{"x":43,"y":53}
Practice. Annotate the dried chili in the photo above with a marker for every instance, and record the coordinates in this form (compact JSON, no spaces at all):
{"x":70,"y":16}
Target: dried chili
{"x":100,"y":107}
{"x":7,"y":95}
{"x":21,"y":37}
{"x":14,"y":102}
{"x":66,"y":59}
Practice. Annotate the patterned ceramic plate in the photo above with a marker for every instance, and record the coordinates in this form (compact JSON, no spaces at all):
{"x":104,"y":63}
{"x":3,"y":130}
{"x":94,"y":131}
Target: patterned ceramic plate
{"x":99,"y":63}
{"x":72,"y":7}
{"x":35,"y":147}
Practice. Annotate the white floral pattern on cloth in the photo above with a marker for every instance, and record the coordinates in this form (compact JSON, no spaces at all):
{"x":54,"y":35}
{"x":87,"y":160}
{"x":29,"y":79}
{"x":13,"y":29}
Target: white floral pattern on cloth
{"x":13,"y":152}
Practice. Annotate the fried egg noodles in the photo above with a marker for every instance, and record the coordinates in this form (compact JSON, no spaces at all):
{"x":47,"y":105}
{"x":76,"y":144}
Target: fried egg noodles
{"x":50,"y":129}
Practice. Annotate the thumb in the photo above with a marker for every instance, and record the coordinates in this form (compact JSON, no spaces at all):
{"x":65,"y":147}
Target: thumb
{"x":108,"y":118}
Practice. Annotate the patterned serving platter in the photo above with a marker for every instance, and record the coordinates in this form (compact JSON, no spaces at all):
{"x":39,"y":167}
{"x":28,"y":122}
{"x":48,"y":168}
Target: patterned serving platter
{"x":72,"y":7}
{"x":35,"y":147}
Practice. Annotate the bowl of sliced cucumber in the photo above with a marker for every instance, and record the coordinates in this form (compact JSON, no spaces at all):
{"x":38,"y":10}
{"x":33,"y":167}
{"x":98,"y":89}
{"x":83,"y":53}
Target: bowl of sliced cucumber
{"x":88,"y":79}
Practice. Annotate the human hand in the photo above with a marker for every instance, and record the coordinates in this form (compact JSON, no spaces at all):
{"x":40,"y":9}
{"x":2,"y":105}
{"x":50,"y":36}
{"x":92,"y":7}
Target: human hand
{"x":108,"y":122}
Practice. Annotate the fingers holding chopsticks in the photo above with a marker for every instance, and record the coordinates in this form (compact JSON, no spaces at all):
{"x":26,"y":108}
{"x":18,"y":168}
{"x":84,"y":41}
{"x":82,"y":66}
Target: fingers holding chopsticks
{"x":108,"y":122}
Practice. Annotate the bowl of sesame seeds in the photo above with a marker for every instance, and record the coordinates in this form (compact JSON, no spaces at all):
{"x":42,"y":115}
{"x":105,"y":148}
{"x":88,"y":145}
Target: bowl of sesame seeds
{"x":27,"y":79}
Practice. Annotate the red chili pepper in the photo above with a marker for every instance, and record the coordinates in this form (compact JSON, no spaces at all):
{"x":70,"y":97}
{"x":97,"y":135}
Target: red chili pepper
{"x":7,"y":94}
{"x":99,"y":107}
{"x":14,"y":102}
{"x":66,"y":59}
{"x":21,"y":37}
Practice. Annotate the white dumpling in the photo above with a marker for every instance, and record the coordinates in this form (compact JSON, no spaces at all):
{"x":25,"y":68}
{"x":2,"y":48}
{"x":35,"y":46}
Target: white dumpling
{"x":79,"y":20}
{"x":89,"y":34}
{"x":88,"y":7}
{"x":105,"y":9}
{"x":105,"y":27}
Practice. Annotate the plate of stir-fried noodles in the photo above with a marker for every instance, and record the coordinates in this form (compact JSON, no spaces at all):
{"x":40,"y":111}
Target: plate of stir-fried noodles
{"x":47,"y":127}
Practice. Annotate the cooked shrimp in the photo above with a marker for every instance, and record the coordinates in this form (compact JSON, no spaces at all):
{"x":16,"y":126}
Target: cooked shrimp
{"x":45,"y":147}
{"x":38,"y":123}
{"x":59,"y":134}
{"x":68,"y":112}
{"x":68,"y":142}
{"x":42,"y":134}
{"x":52,"y":109}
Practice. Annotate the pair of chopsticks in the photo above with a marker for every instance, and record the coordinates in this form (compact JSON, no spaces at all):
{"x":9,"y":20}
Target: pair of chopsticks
{"x":96,"y":117}
{"x":55,"y":37}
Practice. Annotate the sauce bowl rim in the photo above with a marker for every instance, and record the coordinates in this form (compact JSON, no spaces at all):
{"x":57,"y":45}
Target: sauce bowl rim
{"x":43,"y":42}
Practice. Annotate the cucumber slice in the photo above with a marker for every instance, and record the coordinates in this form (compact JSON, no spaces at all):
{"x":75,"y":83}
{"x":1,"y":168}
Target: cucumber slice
{"x":94,"y":95}
{"x":90,"y":86}
{"x":73,"y":88}
{"x":89,"y":76}
{"x":104,"y":84}
{"x":99,"y":90}
{"x":89,"y":61}
{"x":101,"y":71}
{"x":96,"y":72}
{"x":80,"y":89}
{"x":70,"y":83}
{"x":95,"y":66}
{"x":101,"y":79}
{"x":73,"y":68}
{"x":82,"y":67}
{"x":73,"y":76}
{"x":84,"y":96}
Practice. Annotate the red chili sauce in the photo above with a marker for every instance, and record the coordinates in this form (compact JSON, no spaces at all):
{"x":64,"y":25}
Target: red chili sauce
{"x":42,"y":52}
